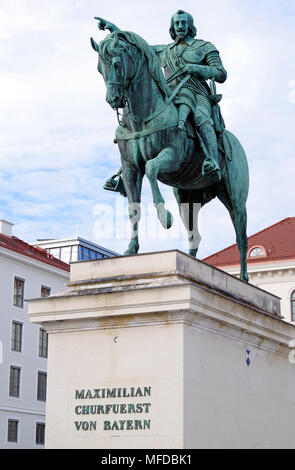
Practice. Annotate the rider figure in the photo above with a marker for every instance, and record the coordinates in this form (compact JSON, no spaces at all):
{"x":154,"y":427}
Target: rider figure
{"x":201,"y":60}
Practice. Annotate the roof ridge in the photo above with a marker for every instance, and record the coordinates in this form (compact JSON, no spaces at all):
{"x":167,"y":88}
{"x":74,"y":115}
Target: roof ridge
{"x":271,"y":226}
{"x":16,"y":244}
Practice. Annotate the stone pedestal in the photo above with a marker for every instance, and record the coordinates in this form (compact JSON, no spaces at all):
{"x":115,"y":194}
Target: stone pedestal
{"x":163,"y":351}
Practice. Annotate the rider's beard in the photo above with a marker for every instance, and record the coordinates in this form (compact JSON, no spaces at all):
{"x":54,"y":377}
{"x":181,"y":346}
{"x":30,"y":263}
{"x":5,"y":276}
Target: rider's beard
{"x":179,"y":39}
{"x":180,"y":35}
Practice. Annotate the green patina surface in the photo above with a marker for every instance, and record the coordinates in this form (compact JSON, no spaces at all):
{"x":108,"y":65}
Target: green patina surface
{"x":171,"y":129}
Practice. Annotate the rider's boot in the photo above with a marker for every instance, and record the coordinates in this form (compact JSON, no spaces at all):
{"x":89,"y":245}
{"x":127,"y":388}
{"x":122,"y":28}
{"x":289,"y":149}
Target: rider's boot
{"x":208,"y":136}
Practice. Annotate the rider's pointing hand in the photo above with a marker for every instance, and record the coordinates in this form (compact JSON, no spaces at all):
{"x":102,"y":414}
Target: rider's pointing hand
{"x":104,"y":24}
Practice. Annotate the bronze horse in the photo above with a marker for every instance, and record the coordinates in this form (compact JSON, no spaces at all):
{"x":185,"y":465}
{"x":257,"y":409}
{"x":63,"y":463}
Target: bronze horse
{"x":151,"y":144}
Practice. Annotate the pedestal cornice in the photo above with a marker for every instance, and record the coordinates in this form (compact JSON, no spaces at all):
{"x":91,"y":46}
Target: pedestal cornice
{"x":158,"y":288}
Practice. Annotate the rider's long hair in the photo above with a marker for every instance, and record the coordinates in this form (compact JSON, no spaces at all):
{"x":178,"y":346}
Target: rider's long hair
{"x":192,"y":28}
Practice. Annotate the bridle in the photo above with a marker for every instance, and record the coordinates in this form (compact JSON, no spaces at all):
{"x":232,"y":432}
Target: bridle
{"x":125,"y":83}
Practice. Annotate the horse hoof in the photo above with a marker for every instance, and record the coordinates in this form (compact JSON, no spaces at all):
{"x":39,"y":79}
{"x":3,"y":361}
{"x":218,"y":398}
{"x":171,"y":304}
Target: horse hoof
{"x":132,"y":250}
{"x":166,"y":218}
{"x":193,"y":252}
{"x":169,"y":219}
{"x":129,"y":252}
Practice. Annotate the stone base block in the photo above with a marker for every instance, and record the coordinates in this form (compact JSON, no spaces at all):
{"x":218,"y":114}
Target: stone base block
{"x":163,"y":351}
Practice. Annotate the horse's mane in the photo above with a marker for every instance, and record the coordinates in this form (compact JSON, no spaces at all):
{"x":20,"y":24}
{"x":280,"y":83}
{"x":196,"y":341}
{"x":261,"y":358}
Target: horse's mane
{"x":115,"y":41}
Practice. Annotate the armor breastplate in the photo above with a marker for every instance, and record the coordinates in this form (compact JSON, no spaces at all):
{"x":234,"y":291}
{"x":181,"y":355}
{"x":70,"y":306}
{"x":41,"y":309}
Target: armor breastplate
{"x":192,"y":54}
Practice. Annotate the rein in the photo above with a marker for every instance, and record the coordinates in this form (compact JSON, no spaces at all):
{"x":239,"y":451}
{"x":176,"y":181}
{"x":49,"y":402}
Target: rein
{"x":168,"y":101}
{"x":145,"y":133}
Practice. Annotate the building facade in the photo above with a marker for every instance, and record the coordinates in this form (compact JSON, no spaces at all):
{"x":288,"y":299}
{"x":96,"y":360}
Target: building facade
{"x":271,"y":262}
{"x":25,"y":272}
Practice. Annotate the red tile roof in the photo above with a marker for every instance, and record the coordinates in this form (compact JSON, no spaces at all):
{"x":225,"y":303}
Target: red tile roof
{"x":19,"y":246}
{"x":278,"y":242}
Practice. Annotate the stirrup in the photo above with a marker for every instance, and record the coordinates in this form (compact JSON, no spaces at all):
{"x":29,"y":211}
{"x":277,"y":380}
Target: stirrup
{"x":115,"y":185}
{"x":214,"y":170}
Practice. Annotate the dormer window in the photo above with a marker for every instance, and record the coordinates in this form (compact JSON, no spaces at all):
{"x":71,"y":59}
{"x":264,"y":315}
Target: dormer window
{"x":256,"y":252}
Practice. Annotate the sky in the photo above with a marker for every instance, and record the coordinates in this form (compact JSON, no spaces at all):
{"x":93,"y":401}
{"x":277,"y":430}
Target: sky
{"x":57,"y":131}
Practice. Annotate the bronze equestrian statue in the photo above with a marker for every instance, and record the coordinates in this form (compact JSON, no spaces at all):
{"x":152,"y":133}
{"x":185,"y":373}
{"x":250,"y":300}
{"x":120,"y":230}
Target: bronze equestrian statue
{"x":172,"y":129}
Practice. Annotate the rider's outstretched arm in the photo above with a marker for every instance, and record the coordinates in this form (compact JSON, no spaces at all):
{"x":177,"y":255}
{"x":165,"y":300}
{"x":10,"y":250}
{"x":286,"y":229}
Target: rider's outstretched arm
{"x":104,"y":24}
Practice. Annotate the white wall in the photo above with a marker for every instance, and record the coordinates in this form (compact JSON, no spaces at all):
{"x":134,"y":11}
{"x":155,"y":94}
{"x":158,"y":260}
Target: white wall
{"x":277,"y":278}
{"x":228,"y":404}
{"x":27,"y":409}
{"x":283,"y":288}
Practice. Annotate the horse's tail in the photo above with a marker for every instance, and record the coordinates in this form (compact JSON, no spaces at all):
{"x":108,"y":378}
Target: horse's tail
{"x":236,"y":193}
{"x":237,"y":174}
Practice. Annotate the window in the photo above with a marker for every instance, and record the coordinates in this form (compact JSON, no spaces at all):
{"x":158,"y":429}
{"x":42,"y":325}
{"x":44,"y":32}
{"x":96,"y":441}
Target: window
{"x":86,"y":253}
{"x":12,"y":430}
{"x":74,"y":253}
{"x":66,"y":253}
{"x":92,"y":254}
{"x":41,"y":389}
{"x":14,"y":381}
{"x":18,"y":293}
{"x":293,"y":306}
{"x":45,"y":291}
{"x":40,"y":433}
{"x":255,"y":252}
{"x":43,"y":343}
{"x":16,"y":336}
{"x":55,"y":252}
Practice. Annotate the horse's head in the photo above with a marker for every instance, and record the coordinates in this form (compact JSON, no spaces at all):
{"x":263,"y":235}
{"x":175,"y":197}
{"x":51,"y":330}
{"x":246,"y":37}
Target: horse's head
{"x":117,"y":65}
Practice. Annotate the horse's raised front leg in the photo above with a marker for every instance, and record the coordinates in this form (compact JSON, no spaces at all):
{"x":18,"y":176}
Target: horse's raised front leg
{"x":132,"y":179}
{"x":165,"y":162}
{"x":189,"y":211}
